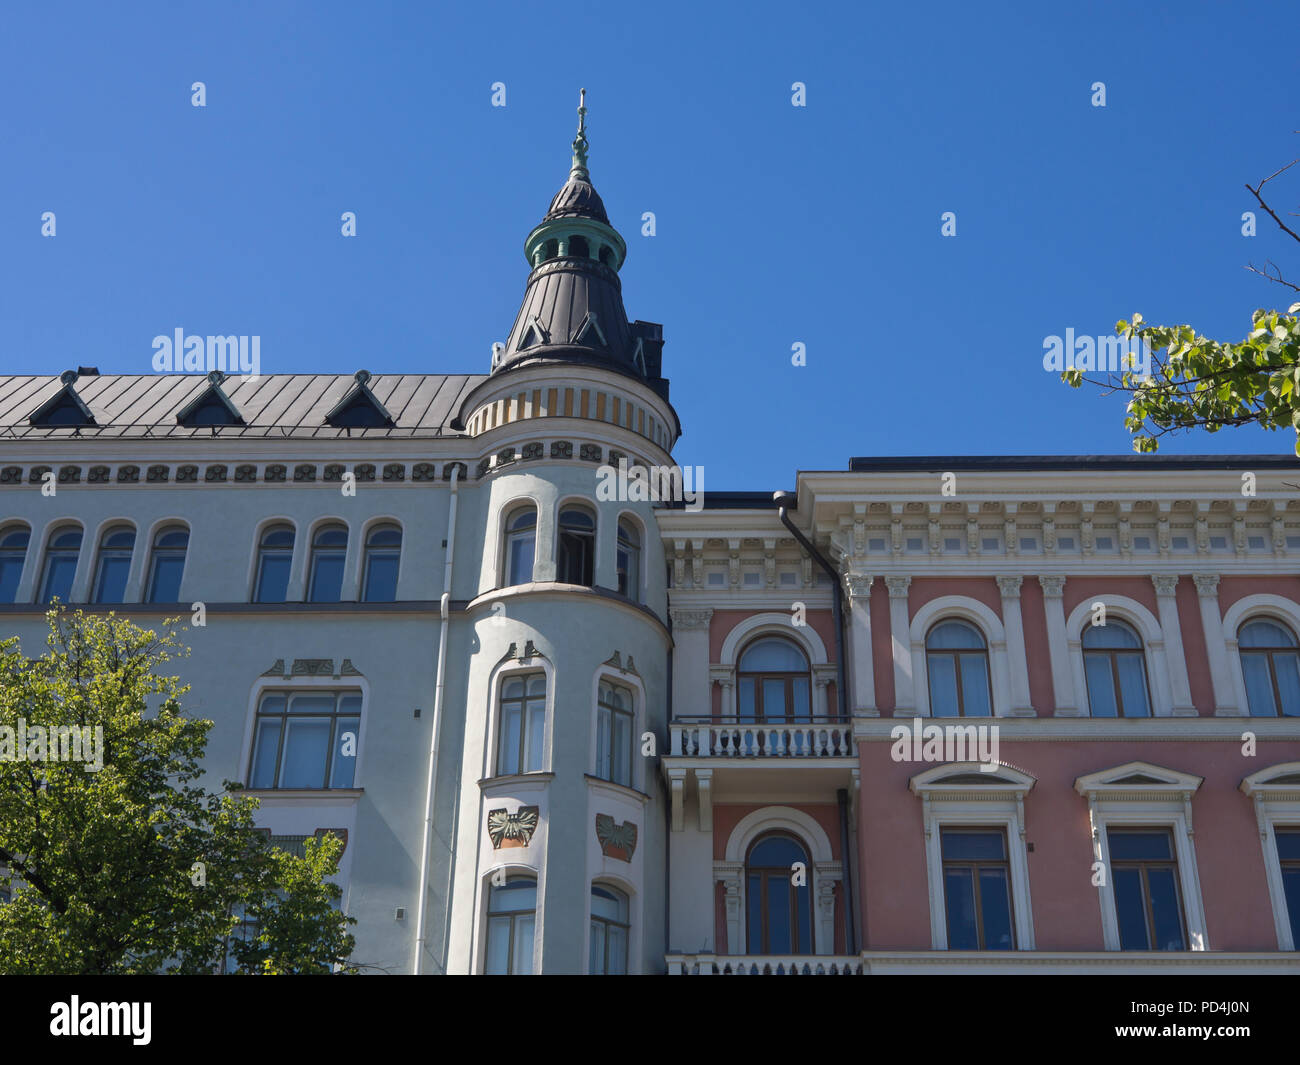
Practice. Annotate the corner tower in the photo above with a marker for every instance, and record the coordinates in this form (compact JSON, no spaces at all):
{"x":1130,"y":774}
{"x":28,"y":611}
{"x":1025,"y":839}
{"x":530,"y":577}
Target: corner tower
{"x":562,"y":824}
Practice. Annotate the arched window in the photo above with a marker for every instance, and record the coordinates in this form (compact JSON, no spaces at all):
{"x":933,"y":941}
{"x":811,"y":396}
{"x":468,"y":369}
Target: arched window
{"x":521,"y":729}
{"x":614,"y":733}
{"x":167,"y":564}
{"x":576,"y":561}
{"x":1116,"y":668}
{"x":521,"y":545}
{"x":773,"y":677}
{"x":274,"y":559}
{"x":779,"y":914}
{"x":957,"y":662}
{"x":1270,"y":662}
{"x":115,"y":548}
{"x":329,"y":550}
{"x":13,"y":553}
{"x":60,"y":565}
{"x":609,"y":931}
{"x":629,"y":561}
{"x":383,"y":556}
{"x":512,"y":914}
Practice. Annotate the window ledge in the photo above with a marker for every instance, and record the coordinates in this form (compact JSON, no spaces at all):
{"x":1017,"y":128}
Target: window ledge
{"x":302,"y":793}
{"x":516,"y":778}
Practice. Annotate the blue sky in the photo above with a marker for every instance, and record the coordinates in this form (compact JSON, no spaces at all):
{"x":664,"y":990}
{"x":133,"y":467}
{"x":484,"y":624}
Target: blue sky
{"x":775,"y":224}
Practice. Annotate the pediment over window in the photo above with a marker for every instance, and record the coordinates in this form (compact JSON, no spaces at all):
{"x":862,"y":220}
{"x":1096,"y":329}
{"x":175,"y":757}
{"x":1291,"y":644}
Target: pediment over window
{"x":64,"y":409}
{"x":210,"y":407}
{"x":1002,"y":780}
{"x":1138,"y":780}
{"x":1277,"y":782}
{"x":359,"y":409}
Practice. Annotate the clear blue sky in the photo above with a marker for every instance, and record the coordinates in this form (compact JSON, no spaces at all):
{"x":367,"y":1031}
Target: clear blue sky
{"x":776,"y":224}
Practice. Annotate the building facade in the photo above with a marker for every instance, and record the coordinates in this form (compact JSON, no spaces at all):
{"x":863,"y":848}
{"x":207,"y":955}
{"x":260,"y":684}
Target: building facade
{"x":980,"y":714}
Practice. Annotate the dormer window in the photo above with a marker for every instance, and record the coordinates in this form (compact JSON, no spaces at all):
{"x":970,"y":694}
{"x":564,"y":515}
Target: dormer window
{"x":65,"y":409}
{"x":360,"y":409}
{"x":210,"y":407}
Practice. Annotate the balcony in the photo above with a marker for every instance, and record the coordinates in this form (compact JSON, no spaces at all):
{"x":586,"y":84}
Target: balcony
{"x":764,"y":965}
{"x":817,"y":737}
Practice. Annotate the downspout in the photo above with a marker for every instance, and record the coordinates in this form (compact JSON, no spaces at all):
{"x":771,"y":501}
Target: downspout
{"x":785,"y":502}
{"x":444,"y":610}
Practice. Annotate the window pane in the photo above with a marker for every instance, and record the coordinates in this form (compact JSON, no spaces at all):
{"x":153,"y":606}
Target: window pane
{"x":521,"y":558}
{"x":511,"y":722}
{"x":1140,"y":846}
{"x":523,"y":945}
{"x":1113,"y":634}
{"x":943,"y":686}
{"x":773,"y":655}
{"x":165,"y":585}
{"x":1291,"y":889}
{"x":111,"y":586}
{"x":803,"y":915}
{"x":347,"y":736}
{"x":776,"y":852}
{"x":597,"y":959}
{"x":1288,"y":844}
{"x":774,"y":708}
{"x":59,"y":571}
{"x":622,"y":757}
{"x":975,"y":685}
{"x":746,"y":699}
{"x":995,"y":906}
{"x":1130,"y":908}
{"x":1165,"y":909}
{"x":273,"y":578}
{"x":498,"y":946}
{"x":1133,"y":685}
{"x":516,"y":896}
{"x":779,"y":932}
{"x":953,"y":636}
{"x":802,"y":709}
{"x":381,"y":578}
{"x":754,"y":906}
{"x":604,"y":743}
{"x":326,"y":578}
{"x":973,"y":845}
{"x":265,"y":749}
{"x":617,"y":953}
{"x":1288,"y":682}
{"x":1101,"y":685}
{"x":536,"y":738}
{"x":1264,"y":633}
{"x":1259,"y":685}
{"x":312,"y":704}
{"x":959,"y":896}
{"x":11,"y":568}
{"x":306,"y":745}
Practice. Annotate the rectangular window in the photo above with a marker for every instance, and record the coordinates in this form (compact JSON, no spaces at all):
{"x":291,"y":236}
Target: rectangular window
{"x":1148,"y":897}
{"x":306,"y":740}
{"x":614,"y":734}
{"x":977,"y":889}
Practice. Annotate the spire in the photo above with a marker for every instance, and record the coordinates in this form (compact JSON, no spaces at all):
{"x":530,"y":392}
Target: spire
{"x":579,"y":167}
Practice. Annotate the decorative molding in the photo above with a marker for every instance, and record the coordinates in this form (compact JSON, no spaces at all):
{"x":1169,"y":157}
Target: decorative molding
{"x":1010,"y":587}
{"x":690,"y":619}
{"x":898,"y":586}
{"x":510,"y":830}
{"x":1207,"y":584}
{"x":1165,"y":583}
{"x":1053,"y":587}
{"x":616,"y":840}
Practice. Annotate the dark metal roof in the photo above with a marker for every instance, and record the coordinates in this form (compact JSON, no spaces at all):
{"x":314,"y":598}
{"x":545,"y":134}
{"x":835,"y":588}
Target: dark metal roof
{"x":282,"y":406}
{"x":995,"y":463}
{"x":577,"y":198}
{"x":561,"y":294}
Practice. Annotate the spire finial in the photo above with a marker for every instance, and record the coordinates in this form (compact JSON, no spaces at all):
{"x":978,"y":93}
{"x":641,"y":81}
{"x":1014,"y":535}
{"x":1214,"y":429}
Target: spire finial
{"x":579,"y":167}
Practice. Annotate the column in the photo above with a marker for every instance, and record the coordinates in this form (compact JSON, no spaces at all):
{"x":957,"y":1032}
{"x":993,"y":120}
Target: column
{"x":1166,"y":585}
{"x":1058,"y":644}
{"x":692,"y":693}
{"x":1021,"y":702}
{"x":1216,"y":646}
{"x":732,"y":875}
{"x":863,"y":701}
{"x":901,"y":641}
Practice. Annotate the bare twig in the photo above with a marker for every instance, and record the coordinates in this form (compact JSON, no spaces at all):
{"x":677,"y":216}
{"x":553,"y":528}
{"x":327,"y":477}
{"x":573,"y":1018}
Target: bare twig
{"x":1279,"y":279}
{"x":1273,"y":214}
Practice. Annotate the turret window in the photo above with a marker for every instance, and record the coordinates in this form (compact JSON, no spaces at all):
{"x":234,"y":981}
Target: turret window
{"x":512,"y":916}
{"x":521,"y":545}
{"x":614,"y":722}
{"x":629,"y":561}
{"x":521,"y":730}
{"x":576,"y":560}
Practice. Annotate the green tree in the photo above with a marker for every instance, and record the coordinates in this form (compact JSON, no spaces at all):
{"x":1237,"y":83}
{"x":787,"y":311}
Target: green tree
{"x":1193,"y":381}
{"x":135,"y":867}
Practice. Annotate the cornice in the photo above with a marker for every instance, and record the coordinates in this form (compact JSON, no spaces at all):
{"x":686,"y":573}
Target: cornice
{"x":1075,"y":729}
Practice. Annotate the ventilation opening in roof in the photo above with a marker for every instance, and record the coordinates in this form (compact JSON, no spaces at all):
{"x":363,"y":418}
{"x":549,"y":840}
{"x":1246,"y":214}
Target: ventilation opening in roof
{"x":578,"y":248}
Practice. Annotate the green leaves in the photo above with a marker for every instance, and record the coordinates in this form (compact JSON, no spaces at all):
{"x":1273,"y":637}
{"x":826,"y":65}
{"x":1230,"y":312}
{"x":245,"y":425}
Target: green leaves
{"x":1196,"y":382}
{"x":102,"y":865}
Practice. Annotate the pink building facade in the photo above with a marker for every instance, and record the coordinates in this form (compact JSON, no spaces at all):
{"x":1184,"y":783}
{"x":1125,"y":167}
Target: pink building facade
{"x":1058,"y":728}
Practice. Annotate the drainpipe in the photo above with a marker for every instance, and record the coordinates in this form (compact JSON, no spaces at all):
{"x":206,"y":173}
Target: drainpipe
{"x":444,"y":609}
{"x":786,"y":501}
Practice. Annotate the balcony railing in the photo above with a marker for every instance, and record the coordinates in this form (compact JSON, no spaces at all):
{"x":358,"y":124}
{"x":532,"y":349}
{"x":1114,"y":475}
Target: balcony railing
{"x":763,"y":965}
{"x":807,"y":738}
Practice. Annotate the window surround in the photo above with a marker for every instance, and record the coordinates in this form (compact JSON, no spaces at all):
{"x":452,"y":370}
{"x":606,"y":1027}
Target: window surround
{"x":962,"y":608}
{"x":1249,"y":608}
{"x":1275,"y":794}
{"x":508,"y":511}
{"x":822,"y":877}
{"x":997,"y":801}
{"x":300,"y":686}
{"x":1144,"y":623}
{"x":757,"y":626}
{"x":512,"y":667}
{"x":1166,"y":802}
